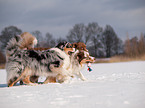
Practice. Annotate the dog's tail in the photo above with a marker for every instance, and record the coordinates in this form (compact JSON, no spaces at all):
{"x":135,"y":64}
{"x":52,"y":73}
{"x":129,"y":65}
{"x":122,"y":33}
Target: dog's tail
{"x":13,"y":45}
{"x":29,"y":41}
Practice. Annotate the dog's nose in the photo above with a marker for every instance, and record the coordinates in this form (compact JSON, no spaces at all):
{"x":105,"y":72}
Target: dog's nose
{"x":93,"y":58}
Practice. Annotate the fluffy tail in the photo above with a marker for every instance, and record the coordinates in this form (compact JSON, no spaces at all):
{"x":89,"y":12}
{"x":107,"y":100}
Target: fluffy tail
{"x":13,"y":45}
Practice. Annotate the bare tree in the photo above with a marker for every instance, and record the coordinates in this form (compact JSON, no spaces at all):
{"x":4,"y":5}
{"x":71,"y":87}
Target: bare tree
{"x":118,"y":46}
{"x":90,"y":31}
{"x":77,"y":33}
{"x":60,"y":40}
{"x":110,"y":41}
{"x":50,"y":41}
{"x":99,"y":42}
{"x":134,"y":47}
{"x":141,"y":45}
{"x":127,"y":46}
{"x":96,"y":39}
{"x":7,"y":33}
{"x":39,"y":37}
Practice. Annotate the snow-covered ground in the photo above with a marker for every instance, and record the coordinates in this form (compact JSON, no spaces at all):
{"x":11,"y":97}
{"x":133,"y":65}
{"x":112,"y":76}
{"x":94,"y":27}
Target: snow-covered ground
{"x":110,"y":85}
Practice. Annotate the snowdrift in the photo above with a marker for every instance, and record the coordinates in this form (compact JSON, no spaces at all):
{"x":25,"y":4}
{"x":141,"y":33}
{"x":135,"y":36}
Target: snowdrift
{"x":112,"y":85}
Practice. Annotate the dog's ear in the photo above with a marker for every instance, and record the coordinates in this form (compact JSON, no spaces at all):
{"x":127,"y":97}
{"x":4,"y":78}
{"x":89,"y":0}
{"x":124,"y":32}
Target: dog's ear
{"x":80,"y":56}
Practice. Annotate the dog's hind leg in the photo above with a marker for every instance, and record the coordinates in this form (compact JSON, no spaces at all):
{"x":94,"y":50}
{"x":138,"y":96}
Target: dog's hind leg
{"x":27,"y":81}
{"x":14,"y":80}
{"x":26,"y":78}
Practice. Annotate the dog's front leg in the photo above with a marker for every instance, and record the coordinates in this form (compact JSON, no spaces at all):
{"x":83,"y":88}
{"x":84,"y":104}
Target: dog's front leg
{"x":27,"y":81}
{"x":81,"y":76}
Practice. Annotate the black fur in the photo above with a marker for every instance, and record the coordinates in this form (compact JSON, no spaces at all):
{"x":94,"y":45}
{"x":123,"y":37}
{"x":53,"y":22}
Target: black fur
{"x":34,"y":54}
{"x":61,"y":45}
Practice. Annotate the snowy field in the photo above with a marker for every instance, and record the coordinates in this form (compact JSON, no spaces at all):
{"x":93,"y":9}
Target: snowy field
{"x":109,"y":85}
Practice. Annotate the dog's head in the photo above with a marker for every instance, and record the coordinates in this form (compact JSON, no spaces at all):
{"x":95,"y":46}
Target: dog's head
{"x":65,"y":46}
{"x":79,"y":46}
{"x":84,"y":57}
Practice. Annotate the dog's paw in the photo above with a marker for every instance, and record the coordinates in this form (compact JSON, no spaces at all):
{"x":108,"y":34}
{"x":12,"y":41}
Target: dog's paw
{"x":66,"y":82}
{"x":84,"y":79}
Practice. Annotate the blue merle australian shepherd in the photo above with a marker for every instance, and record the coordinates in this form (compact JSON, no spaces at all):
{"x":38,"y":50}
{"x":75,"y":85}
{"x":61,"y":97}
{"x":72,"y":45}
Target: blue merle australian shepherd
{"x":21,"y":64}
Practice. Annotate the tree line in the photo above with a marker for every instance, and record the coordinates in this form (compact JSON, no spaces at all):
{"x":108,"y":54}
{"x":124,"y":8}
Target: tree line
{"x":101,"y":42}
{"x":135,"y":46}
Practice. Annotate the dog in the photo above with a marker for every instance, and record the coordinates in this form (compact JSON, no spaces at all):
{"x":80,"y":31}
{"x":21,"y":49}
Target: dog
{"x":34,"y":79}
{"x":77,"y":60}
{"x":21,"y":63}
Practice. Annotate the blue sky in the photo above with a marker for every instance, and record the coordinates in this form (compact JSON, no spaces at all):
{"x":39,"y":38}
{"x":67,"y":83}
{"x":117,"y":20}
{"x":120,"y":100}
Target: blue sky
{"x":59,"y":16}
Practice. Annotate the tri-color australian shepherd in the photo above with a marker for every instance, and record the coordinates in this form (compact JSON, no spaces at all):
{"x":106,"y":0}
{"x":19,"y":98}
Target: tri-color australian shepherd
{"x":22,"y":63}
{"x":76,"y":63}
{"x":77,"y":60}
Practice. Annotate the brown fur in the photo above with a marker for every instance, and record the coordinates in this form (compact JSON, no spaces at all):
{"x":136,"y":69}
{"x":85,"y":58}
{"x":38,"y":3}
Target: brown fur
{"x":50,"y":80}
{"x":27,"y":40}
{"x":27,"y":80}
{"x":39,"y":48}
{"x":80,"y":46}
{"x":34,"y":79}
{"x":11,"y":83}
{"x":67,"y":50}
